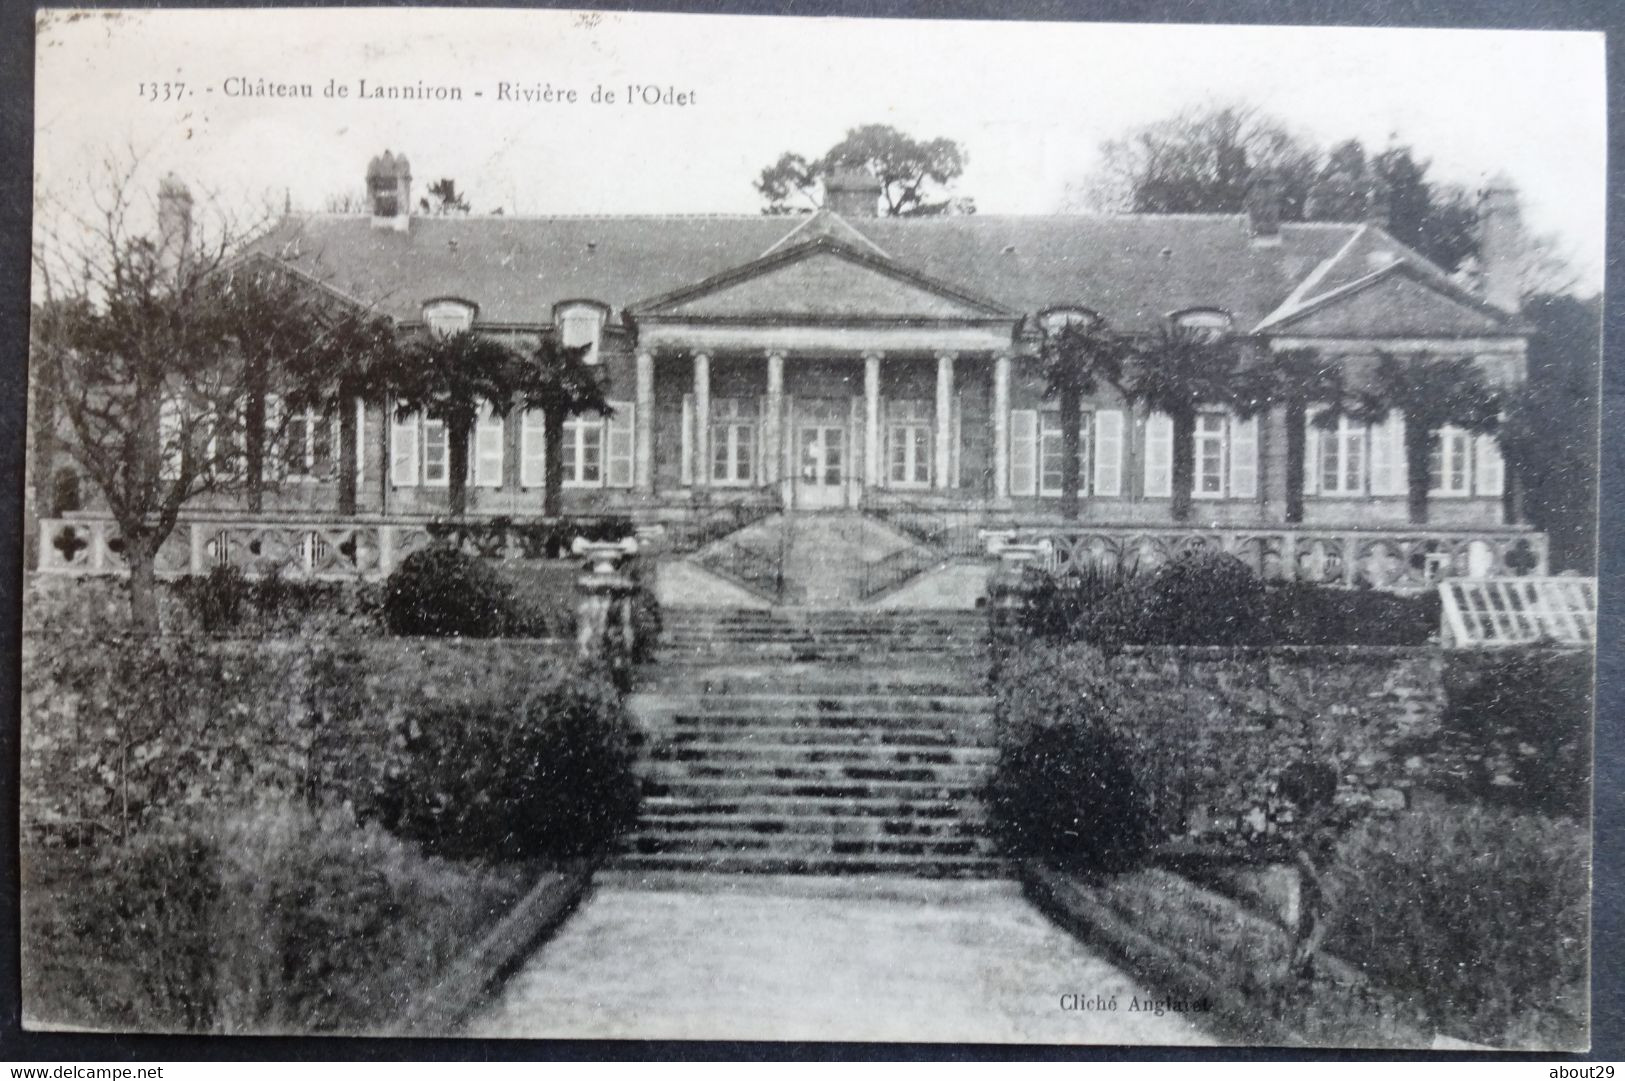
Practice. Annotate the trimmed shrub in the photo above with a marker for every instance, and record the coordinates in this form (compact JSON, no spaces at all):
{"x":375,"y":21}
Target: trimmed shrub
{"x":270,"y":919}
{"x":1208,"y":598}
{"x":1520,"y":728}
{"x":441,"y":592}
{"x":1203,"y":597}
{"x":1069,"y":795}
{"x":538,"y":773}
{"x":1479,"y":914}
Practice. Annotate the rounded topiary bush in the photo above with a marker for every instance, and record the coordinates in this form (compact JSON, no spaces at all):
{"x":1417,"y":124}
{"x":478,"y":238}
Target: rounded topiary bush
{"x":540,"y":773}
{"x":1204,"y":597}
{"x":442,"y":592}
{"x":1069,"y":794}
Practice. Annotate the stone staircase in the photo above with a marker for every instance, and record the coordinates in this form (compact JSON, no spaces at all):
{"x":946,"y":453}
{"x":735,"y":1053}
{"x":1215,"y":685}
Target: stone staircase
{"x":815,"y":741}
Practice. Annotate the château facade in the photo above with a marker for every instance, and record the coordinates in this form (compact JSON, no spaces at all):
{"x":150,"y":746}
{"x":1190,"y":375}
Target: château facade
{"x":841,"y":359}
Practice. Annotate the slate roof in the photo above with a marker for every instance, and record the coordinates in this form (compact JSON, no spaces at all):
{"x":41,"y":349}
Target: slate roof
{"x":1133,"y":269}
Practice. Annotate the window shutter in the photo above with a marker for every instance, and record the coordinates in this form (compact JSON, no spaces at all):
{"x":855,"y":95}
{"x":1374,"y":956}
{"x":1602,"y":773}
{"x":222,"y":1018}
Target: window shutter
{"x":685,"y":465}
{"x":1388,"y":456}
{"x":1489,"y":466}
{"x":360,"y":442}
{"x":619,"y":429}
{"x":487,"y":456}
{"x":532,"y":449}
{"x":1108,"y":452}
{"x":1023,"y":452}
{"x":403,"y":451}
{"x":1244,"y":458}
{"x":1311,"y":452}
{"x":1159,"y":455}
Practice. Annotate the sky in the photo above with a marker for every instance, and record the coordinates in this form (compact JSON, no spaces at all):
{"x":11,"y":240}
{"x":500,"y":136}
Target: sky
{"x":1030,"y":103}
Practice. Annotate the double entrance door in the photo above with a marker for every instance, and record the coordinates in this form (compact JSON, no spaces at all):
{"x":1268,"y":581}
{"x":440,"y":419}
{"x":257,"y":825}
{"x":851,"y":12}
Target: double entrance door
{"x":823,"y":452}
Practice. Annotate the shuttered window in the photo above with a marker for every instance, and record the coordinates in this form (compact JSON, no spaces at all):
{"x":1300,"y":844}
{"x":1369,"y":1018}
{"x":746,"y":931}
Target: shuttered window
{"x":533,"y":449}
{"x":403,"y":451}
{"x":486,"y":457}
{"x":1159,"y":452}
{"x":1108,"y":452}
{"x":1023,"y":452}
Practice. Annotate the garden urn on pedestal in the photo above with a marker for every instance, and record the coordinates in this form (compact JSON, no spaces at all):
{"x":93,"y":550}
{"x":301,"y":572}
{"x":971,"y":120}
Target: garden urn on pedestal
{"x":603,"y":599}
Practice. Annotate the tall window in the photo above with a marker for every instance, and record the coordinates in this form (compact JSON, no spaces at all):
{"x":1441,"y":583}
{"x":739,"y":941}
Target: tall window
{"x":1049,"y":451}
{"x":1343,"y":458}
{"x":1450,"y":464}
{"x":733,"y":441}
{"x":308,"y":443}
{"x":436,"y":453}
{"x":908,"y":442}
{"x":1224,"y":455}
{"x":1212,"y":448}
{"x":582,"y":324}
{"x":583,"y":452}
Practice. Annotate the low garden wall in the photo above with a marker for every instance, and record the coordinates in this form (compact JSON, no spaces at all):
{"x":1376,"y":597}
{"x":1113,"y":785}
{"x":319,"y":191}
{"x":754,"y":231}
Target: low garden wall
{"x":1211,"y":728}
{"x":119,"y":731}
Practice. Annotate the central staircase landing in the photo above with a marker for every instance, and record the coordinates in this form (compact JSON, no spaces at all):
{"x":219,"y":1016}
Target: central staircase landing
{"x":809,"y":741}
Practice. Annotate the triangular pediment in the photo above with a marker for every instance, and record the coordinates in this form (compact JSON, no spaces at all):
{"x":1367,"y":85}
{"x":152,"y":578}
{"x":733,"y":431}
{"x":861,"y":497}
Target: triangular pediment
{"x":1397,"y":301}
{"x":822,"y":279}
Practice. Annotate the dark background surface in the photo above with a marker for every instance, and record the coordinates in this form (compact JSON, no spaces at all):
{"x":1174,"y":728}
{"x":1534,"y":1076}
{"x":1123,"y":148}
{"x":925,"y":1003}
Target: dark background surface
{"x":1608,"y":936}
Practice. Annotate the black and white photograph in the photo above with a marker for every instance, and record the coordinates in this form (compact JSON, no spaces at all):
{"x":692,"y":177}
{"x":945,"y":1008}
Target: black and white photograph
{"x":591,"y":525}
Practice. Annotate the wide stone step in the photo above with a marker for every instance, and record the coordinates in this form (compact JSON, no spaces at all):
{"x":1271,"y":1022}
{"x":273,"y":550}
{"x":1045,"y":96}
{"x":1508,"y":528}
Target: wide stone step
{"x":831,"y":772}
{"x":742,"y":842}
{"x":859,"y":737}
{"x":736,"y":681}
{"x":806,"y":753}
{"x":742,"y":803}
{"x":712,"y":703}
{"x":733,"y":787}
{"x":831,"y":825}
{"x":772,"y":864}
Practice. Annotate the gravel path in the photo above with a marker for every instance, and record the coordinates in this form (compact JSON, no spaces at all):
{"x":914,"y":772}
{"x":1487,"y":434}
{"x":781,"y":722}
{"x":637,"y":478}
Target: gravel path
{"x":768,"y":958}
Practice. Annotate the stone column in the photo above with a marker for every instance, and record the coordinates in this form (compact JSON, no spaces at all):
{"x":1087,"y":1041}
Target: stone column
{"x":773,"y":422}
{"x":702,"y":421}
{"x":1001,"y":428}
{"x":871,"y":420}
{"x":945,"y":428}
{"x":643,"y":462}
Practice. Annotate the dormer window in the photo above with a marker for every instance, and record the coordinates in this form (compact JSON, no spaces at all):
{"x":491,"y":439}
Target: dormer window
{"x":1052,"y":320}
{"x":448,"y":316}
{"x":1209,"y":322}
{"x":582,"y":323}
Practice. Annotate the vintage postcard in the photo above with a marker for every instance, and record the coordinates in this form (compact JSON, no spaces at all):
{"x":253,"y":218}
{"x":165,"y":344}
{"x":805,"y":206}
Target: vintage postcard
{"x":615,"y":525}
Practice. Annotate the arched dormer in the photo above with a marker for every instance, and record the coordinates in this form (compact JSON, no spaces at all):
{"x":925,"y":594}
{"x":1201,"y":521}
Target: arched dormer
{"x":1051,"y":320}
{"x":449,"y":315}
{"x":1210,"y":322}
{"x":581,"y":322}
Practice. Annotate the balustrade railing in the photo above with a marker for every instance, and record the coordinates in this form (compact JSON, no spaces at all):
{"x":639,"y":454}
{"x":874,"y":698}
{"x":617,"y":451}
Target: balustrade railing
{"x":761,"y":569}
{"x":1396,"y":559}
{"x":709,"y":522}
{"x":327,"y":550}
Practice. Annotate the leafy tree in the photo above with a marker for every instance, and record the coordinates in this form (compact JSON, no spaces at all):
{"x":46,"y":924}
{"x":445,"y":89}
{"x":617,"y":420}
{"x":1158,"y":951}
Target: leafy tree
{"x":1178,"y":372}
{"x":352,"y":359}
{"x":448,"y":377}
{"x":139,"y":335}
{"x":1440,"y":221}
{"x":1201,"y":160}
{"x":1297,"y":379}
{"x":1431,"y":393}
{"x":914,"y":174}
{"x":447,"y":199}
{"x":1549,"y":430}
{"x":557,"y":381}
{"x":1075,"y":357}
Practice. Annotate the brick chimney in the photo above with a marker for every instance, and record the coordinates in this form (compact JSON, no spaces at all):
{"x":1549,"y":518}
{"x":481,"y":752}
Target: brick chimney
{"x":174,"y":222}
{"x":1500,"y":242}
{"x":389,"y":191}
{"x":1263,"y":206}
{"x":852,"y":193}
